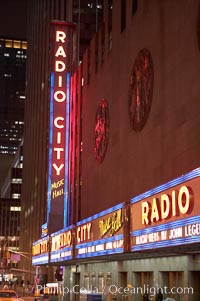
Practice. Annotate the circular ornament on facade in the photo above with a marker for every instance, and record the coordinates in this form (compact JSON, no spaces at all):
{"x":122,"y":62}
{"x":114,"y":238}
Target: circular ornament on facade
{"x":102,"y":128}
{"x":140,"y":90}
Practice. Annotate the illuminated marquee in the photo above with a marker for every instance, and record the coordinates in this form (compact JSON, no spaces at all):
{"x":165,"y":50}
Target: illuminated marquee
{"x":171,"y":212}
{"x":61,"y":245}
{"x":101,"y":234}
{"x":112,"y":224}
{"x":58,"y":170}
{"x":178,"y":202}
{"x":40,"y":251}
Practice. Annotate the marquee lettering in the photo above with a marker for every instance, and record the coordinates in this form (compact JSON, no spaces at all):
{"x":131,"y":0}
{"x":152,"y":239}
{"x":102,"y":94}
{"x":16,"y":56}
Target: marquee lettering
{"x":111,"y":224}
{"x":61,"y":241}
{"x":83,"y":233}
{"x":179,"y":202}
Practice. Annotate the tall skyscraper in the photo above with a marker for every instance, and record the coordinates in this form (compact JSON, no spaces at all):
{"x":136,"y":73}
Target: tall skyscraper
{"x":12,"y":93}
{"x":12,"y":99}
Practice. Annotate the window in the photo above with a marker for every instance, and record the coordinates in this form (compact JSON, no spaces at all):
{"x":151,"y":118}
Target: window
{"x":102,"y":42}
{"x":123,"y":14}
{"x":88,"y":66}
{"x":109,"y":25}
{"x":17,"y":44}
{"x":96,"y":52}
{"x":16,"y":196}
{"x":15,"y":208}
{"x":134,"y":6}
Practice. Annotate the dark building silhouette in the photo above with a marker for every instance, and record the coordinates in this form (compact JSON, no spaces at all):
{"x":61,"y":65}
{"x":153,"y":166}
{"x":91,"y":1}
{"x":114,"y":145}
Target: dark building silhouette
{"x":12,"y":93}
{"x":11,"y":187}
{"x":10,"y":210}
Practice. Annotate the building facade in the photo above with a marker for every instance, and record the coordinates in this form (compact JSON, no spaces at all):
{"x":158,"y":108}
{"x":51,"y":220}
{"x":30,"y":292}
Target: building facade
{"x":12,"y":99}
{"x":133,"y":159}
{"x":9,"y":238}
{"x":12,"y":83}
{"x":12,"y":184}
{"x":10,"y":206}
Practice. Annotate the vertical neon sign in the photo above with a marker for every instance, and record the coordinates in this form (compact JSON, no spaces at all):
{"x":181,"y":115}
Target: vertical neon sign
{"x":58,"y":169}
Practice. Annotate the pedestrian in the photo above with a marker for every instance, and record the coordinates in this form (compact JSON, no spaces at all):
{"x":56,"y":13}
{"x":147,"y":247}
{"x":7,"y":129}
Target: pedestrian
{"x":145,"y":296}
{"x":159,"y":295}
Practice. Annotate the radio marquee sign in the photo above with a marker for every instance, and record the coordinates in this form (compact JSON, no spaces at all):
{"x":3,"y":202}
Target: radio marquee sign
{"x":168,"y":217}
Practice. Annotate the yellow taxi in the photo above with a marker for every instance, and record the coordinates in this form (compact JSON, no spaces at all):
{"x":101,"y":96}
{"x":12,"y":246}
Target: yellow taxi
{"x":9,"y":295}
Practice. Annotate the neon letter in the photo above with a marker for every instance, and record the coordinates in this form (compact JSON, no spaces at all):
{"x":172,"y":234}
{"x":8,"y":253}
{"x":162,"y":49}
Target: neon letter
{"x":56,"y":122}
{"x":62,"y":98}
{"x":60,"y":36}
{"x":58,"y":169}
{"x":145,"y":213}
{"x":59,"y":66}
{"x":58,"y":150}
{"x":165,"y":205}
{"x":60,"y":52}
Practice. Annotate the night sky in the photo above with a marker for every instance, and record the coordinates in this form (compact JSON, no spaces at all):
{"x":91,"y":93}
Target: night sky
{"x":13,"y":18}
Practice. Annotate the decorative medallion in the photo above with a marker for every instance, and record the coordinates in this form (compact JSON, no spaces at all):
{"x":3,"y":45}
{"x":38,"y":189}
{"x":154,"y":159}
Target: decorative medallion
{"x":102,"y":128}
{"x":141,"y":90}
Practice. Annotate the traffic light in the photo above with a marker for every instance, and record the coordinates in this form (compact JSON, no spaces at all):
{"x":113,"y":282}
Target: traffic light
{"x":59,"y":274}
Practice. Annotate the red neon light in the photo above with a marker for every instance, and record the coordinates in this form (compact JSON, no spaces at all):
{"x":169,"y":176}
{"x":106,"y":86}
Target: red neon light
{"x":60,"y":101}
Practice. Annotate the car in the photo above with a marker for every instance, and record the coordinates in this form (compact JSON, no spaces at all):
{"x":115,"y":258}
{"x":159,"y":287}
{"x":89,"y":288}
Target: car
{"x":9,"y":295}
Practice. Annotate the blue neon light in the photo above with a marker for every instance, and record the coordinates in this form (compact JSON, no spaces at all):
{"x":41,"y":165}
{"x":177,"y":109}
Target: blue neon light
{"x":175,"y":224}
{"x":191,"y":175}
{"x":61,"y":259}
{"x":44,"y":226}
{"x":100,"y":241}
{"x":110,"y":210}
{"x":36,"y":260}
{"x":62,"y":231}
{"x":57,"y":252}
{"x":50,"y":145}
{"x":100,"y":253}
{"x":166,"y":243}
{"x":46,"y":238}
{"x":66,"y":192}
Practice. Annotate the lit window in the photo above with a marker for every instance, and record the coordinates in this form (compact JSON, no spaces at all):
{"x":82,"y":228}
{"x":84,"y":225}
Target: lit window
{"x":7,"y":75}
{"x":16,"y":181}
{"x":16,"y":195}
{"x":17,"y":44}
{"x":8,"y":43}
{"x":6,"y":54}
{"x":15,"y":208}
{"x":24,"y":45}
